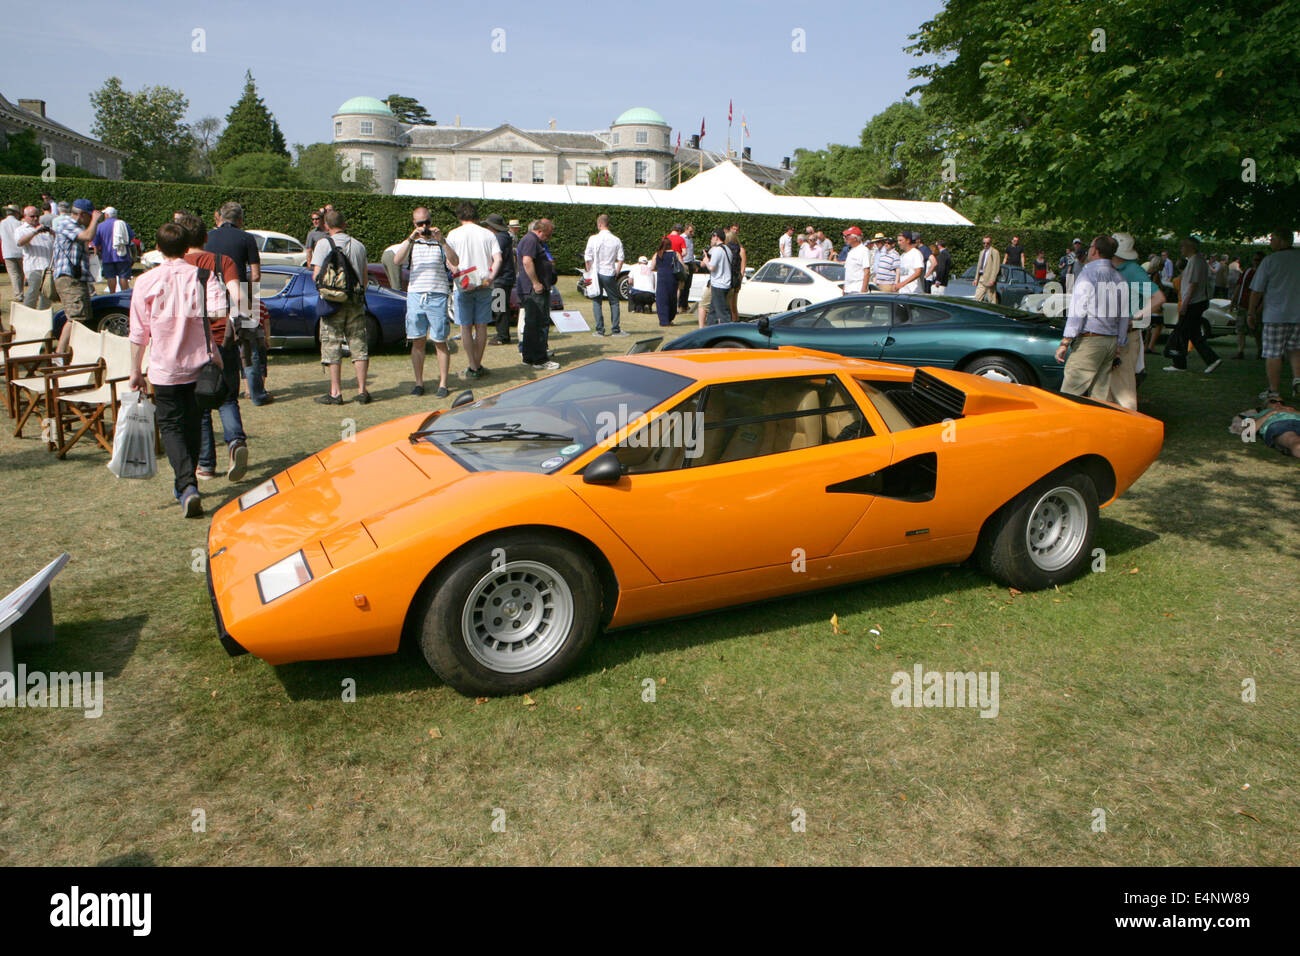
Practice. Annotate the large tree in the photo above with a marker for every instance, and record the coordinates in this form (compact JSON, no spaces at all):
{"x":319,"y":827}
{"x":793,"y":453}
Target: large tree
{"x":899,"y":155}
{"x":1140,"y":114}
{"x":319,"y":166}
{"x":205,"y":132}
{"x":250,"y":128}
{"x":21,"y":155}
{"x":408,"y":110}
{"x":150,"y":124}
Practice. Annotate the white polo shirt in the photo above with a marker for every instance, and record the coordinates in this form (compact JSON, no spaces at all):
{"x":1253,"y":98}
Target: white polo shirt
{"x":857,"y":265}
{"x":474,"y":247}
{"x":604,"y":252}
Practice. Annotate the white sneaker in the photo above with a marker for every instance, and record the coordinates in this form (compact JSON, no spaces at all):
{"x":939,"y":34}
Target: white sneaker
{"x":1174,"y":368}
{"x":1295,"y":385}
{"x":1213,"y":365}
{"x":1268,"y":395}
{"x":546,"y":366}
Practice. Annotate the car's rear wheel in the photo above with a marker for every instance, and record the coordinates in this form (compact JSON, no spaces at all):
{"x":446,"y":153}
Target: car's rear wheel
{"x":625,"y":287}
{"x":510,"y":612}
{"x":797,"y":304}
{"x":730,"y":344}
{"x":374,"y":335}
{"x":119,"y":323}
{"x":1003,"y":368}
{"x":1044,"y":535}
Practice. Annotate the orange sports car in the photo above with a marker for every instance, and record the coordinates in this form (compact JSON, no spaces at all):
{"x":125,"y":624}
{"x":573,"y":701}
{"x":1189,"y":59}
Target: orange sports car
{"x":503,"y":533}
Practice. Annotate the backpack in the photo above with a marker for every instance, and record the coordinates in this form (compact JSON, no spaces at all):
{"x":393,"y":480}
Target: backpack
{"x":733,"y":258}
{"x":336,"y":282}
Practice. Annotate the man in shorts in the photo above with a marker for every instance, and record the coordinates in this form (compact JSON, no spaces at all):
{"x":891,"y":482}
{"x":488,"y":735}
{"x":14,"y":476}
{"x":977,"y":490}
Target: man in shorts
{"x":1277,"y":283}
{"x":480,"y":259}
{"x":347,"y":323}
{"x":426,"y":295}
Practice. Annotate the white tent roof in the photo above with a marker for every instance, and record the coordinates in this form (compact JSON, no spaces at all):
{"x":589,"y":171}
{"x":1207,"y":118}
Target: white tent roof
{"x":724,"y":188}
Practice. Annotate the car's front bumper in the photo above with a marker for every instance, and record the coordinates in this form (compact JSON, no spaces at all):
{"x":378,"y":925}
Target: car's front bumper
{"x":232,"y":646}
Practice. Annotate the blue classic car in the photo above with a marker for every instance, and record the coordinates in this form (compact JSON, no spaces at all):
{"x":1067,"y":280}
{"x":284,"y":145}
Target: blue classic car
{"x":289,"y":297}
{"x":1014,"y":283}
{"x":976,"y":337}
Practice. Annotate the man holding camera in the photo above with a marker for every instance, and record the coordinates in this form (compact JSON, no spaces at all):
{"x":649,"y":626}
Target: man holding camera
{"x":37,"y":244}
{"x":426,"y":295}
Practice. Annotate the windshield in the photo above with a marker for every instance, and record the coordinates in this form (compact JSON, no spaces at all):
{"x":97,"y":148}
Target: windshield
{"x":834,"y":271}
{"x":542,"y":425}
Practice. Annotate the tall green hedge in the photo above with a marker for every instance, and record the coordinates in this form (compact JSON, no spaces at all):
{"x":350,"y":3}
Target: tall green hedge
{"x":379,"y":221}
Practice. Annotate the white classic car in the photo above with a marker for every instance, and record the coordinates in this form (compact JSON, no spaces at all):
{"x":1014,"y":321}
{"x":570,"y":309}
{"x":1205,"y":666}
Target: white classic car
{"x":780,"y":285}
{"x":273,"y":248}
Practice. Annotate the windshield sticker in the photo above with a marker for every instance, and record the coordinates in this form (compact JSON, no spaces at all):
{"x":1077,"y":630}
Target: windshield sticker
{"x":553,"y":462}
{"x":570,"y":449}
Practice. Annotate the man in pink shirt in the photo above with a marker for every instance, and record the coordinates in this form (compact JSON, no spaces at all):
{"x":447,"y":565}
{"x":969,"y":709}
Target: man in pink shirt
{"x":166,"y":316}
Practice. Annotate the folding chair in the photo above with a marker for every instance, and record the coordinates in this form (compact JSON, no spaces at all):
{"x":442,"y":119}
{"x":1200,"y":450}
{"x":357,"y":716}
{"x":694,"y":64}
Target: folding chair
{"x":645,"y":345}
{"x":35,"y":392}
{"x":87,"y":408}
{"x":30,"y":333}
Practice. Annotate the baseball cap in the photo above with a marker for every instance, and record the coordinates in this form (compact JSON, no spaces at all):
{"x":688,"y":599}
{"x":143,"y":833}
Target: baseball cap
{"x":83,"y":205}
{"x":853,"y":231}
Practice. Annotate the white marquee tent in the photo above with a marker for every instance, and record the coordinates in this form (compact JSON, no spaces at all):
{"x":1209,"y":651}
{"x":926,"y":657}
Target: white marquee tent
{"x":724,"y":188}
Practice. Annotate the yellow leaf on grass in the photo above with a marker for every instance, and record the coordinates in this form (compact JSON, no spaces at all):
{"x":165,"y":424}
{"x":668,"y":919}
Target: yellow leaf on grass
{"x":1015,"y":592}
{"x":435,"y":733}
{"x":835,"y":624}
{"x":529,"y":702}
{"x":1133,"y":571}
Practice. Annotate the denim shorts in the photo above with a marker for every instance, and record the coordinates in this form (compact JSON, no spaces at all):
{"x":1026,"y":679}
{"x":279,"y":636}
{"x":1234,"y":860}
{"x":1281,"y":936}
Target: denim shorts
{"x":474,"y":307}
{"x":426,"y":316}
{"x":1275,"y":430}
{"x":116,"y":270}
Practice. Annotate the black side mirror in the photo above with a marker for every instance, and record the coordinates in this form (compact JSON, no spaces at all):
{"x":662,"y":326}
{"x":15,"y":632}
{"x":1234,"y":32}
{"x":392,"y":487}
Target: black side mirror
{"x":765,"y":326}
{"x":464,"y":398}
{"x":605,"y":469}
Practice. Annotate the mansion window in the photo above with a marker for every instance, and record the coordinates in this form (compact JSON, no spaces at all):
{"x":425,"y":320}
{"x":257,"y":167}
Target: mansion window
{"x":428,"y":168}
{"x":507,"y":170}
{"x":76,"y":158}
{"x":475,"y":170}
{"x":642,"y":138}
{"x":47,"y":149}
{"x":367,"y":127}
{"x":367,"y":160}
{"x":539,"y":171}
{"x":338,"y":127}
{"x":641,"y":172}
{"x":102,"y":168}
{"x":616,"y":139}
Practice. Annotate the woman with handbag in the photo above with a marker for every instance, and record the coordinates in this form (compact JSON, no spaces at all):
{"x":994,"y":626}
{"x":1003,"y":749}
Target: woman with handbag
{"x":665,"y":265}
{"x":167,"y":316}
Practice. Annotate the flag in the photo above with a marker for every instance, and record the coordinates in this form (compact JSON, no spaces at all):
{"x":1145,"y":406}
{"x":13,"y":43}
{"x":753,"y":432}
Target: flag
{"x":728,"y":112}
{"x":701,"y":128}
{"x":744,"y":125}
{"x":679,"y":142}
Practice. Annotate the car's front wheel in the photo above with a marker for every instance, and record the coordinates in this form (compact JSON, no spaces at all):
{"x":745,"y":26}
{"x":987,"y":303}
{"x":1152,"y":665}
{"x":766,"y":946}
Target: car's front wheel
{"x":1044,"y":535}
{"x":510,"y":612}
{"x":119,"y":323}
{"x":797,"y":304}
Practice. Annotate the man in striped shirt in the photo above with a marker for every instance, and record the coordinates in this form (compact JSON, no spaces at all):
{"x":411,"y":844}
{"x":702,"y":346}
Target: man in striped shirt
{"x":426,"y":295}
{"x":884,"y":274}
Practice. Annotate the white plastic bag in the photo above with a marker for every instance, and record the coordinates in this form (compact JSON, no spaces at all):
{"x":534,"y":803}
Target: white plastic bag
{"x":133,"y":447}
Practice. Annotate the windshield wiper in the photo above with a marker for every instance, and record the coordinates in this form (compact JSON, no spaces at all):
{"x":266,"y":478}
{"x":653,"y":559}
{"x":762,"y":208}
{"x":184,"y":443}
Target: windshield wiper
{"x":492,"y":433}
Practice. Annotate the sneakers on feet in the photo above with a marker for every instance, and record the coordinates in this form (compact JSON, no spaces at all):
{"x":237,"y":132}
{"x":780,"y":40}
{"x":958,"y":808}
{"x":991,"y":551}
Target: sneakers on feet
{"x":204,"y":473}
{"x":363,"y":398}
{"x":238,"y":461}
{"x":1213,"y":365}
{"x":598,"y":333}
{"x":1174,"y":368}
{"x":329,"y":399}
{"x":620,"y":333}
{"x":441,"y":392}
{"x":418,"y":390}
{"x":546,"y":366}
{"x":1268,"y":395}
{"x":473,"y":372}
{"x":191,"y":506}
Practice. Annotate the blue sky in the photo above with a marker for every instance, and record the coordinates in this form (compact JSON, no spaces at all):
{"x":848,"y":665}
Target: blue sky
{"x":580,"y":70}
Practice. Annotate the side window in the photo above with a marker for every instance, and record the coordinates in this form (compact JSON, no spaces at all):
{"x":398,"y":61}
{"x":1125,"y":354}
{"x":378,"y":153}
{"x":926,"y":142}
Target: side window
{"x":858,"y":315}
{"x":1004,"y":274}
{"x":774,"y":272}
{"x":752,"y":419}
{"x":275,"y":245}
{"x":924,"y":314}
{"x":806,"y":319}
{"x":798,"y":277}
{"x":272,"y":284}
{"x":666,"y":443}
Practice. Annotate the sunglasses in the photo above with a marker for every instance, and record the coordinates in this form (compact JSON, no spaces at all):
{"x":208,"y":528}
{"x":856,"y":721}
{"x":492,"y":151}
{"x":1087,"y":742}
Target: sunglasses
{"x":423,"y":222}
{"x":315,"y":218}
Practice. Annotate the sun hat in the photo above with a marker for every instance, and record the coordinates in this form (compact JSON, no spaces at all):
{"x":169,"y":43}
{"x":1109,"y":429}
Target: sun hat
{"x":1127,"y":247}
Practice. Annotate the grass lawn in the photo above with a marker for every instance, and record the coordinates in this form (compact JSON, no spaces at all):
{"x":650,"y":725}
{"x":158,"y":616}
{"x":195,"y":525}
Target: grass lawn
{"x":1121,"y":691}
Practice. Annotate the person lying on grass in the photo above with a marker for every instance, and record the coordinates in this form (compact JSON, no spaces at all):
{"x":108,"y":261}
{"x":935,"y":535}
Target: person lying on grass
{"x":1277,"y":424}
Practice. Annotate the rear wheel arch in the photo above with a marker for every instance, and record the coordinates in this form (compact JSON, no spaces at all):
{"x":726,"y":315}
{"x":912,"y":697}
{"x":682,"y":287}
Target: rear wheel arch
{"x":1012,"y":357}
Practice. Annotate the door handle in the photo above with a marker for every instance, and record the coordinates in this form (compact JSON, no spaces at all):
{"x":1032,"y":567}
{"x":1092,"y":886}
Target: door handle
{"x":889,"y":340}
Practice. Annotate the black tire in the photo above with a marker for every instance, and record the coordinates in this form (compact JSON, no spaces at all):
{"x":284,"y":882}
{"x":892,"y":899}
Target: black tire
{"x":119,"y":323}
{"x":1057,"y":505}
{"x":624,"y":287}
{"x":374,"y":335}
{"x":542,"y":567}
{"x":1007,"y":365}
{"x":730,"y":344}
{"x":797,"y":304}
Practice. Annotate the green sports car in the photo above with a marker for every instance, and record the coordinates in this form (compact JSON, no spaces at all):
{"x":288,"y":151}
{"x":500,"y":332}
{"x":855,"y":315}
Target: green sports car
{"x":945,"y":331}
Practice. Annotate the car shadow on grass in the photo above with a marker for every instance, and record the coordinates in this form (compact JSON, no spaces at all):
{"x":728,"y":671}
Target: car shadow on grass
{"x":375,"y":676}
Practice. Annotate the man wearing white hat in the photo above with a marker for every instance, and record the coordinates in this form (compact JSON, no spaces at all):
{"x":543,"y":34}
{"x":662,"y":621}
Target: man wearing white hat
{"x":1144,"y":298}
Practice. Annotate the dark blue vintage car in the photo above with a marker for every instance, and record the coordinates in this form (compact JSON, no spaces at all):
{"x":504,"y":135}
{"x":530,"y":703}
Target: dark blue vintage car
{"x":976,"y":337}
{"x":289,"y":297}
{"x":1014,"y":283}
